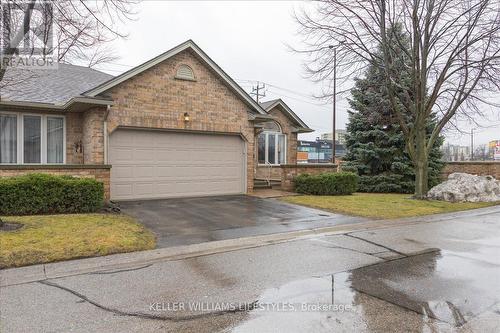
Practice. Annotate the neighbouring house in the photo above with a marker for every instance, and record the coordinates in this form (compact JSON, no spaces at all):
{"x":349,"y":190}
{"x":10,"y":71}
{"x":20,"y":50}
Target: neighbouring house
{"x":176,"y":125}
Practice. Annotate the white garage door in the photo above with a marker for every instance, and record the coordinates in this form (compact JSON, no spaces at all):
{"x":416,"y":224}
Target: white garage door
{"x":156,"y":164}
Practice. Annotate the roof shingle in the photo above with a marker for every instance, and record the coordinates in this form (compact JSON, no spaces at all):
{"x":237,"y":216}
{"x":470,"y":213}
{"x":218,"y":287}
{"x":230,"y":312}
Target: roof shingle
{"x":54,"y":86}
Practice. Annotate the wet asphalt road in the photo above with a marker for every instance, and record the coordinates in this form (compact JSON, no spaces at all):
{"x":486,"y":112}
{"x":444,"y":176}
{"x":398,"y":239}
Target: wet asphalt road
{"x":431,"y":277}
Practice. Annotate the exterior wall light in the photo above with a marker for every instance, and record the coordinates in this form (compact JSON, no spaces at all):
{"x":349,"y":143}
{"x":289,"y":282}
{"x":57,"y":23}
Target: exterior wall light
{"x":186,"y":117}
{"x":78,"y":147}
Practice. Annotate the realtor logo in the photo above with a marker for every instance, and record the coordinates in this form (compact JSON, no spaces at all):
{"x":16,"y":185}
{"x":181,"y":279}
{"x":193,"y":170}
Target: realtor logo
{"x":27,"y":36}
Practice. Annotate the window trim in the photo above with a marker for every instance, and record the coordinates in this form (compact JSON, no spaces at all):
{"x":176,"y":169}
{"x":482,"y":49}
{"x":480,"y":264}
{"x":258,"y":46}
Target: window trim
{"x":43,"y":137}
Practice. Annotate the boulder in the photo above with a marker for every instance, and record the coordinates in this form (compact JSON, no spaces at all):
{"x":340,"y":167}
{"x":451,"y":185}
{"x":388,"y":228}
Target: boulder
{"x":464,"y":187}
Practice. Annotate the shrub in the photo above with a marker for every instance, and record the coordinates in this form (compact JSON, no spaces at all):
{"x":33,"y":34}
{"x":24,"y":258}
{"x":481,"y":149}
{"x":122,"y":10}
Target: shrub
{"x":340,"y":183}
{"x":385,"y":183}
{"x":46,"y":194}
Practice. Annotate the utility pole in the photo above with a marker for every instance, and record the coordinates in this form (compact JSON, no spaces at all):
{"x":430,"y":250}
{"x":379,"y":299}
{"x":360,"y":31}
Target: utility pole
{"x":334,"y":102}
{"x":334,"y":48}
{"x":472,"y":144}
{"x":256,"y":91}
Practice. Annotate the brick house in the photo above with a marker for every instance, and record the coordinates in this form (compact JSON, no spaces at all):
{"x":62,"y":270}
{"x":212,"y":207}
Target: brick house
{"x":176,"y":125}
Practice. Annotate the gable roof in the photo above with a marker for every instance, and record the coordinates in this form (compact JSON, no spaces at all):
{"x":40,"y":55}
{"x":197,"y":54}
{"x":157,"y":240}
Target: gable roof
{"x":50,"y":86}
{"x":265,"y":105}
{"x":269,"y":105}
{"x":168,"y":54}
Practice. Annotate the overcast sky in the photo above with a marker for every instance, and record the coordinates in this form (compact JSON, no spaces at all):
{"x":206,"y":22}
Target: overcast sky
{"x":248,"y":40}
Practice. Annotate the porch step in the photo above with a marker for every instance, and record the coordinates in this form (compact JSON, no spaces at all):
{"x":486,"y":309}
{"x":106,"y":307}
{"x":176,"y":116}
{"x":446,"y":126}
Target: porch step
{"x":262,"y":184}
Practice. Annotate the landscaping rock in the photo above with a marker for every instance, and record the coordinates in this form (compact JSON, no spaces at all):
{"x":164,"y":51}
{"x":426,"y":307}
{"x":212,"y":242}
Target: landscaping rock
{"x":462,"y":187}
{"x":111,"y":207}
{"x":7,"y":226}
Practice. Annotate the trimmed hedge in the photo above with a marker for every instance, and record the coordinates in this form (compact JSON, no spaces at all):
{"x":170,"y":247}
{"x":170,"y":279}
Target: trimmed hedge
{"x":47,"y":194}
{"x":333,"y":183}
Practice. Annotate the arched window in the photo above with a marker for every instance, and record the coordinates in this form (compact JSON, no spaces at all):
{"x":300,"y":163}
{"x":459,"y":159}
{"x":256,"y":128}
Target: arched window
{"x":184,"y":72}
{"x":271,"y":144}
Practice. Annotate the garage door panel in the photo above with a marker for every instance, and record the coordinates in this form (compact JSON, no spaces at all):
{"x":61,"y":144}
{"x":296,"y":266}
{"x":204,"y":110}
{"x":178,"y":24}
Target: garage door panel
{"x":142,"y":189}
{"x":122,"y":172}
{"x":154,"y":164}
{"x":169,"y":155}
{"x":144,"y":172}
{"x":144,"y":156}
{"x":121,"y":154}
{"x":123,"y":141}
{"x":125,"y":189}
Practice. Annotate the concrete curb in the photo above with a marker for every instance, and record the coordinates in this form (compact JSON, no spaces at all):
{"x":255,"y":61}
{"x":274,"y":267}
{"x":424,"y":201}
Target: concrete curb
{"x":117,"y":262}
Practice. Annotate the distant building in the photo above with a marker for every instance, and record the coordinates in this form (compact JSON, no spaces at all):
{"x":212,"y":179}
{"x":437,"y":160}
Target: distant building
{"x":319,"y":151}
{"x":339,"y":136}
{"x":455,"y":153}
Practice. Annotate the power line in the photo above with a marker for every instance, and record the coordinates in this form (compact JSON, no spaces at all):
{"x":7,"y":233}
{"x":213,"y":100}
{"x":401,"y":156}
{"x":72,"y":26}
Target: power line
{"x":287,"y":90}
{"x":298,"y":99}
{"x":278,"y":87}
{"x":291,"y":91}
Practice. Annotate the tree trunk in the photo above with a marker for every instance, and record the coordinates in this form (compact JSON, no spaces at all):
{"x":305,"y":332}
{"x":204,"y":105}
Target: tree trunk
{"x":421,"y":165}
{"x":421,"y":179}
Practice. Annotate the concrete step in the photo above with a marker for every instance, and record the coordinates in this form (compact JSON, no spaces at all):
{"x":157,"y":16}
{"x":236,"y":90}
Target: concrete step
{"x":260,"y":184}
{"x":263,"y":184}
{"x":262,"y":187}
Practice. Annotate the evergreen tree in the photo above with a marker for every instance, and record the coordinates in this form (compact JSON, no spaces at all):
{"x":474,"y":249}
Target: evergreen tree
{"x":375,"y":142}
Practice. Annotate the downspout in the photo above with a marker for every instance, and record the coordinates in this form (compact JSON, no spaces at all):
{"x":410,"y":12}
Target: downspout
{"x":105,"y":134}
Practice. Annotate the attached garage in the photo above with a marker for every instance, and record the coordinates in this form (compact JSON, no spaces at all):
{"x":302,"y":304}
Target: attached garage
{"x":150,"y":164}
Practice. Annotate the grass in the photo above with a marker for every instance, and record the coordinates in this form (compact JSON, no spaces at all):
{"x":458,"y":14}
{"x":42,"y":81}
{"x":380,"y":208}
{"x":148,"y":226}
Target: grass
{"x":382,"y":205}
{"x":47,"y":238}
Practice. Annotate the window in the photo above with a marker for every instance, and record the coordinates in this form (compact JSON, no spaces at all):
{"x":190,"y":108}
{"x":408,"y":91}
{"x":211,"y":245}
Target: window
{"x":55,"y":140}
{"x":262,"y":149}
{"x":32,"y":139}
{"x":184,"y":72}
{"x":8,"y":138}
{"x":271,"y":145}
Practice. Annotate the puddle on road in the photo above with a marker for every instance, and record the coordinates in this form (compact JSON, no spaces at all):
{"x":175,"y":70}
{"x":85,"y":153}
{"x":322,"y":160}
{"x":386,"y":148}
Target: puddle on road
{"x":432,"y":292}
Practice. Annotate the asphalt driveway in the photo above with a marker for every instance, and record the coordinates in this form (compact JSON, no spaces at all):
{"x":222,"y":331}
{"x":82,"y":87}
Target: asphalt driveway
{"x":186,"y":221}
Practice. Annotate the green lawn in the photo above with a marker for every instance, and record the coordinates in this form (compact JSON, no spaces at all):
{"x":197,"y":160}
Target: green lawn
{"x":381,"y":205}
{"x":47,"y":238}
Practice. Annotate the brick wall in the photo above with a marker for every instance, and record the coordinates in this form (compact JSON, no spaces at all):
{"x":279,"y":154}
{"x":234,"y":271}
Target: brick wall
{"x":93,"y":136}
{"x":98,"y":172}
{"x":262,"y":172}
{"x":290,"y":171}
{"x":156,"y":99}
{"x":482,"y":168}
{"x":74,"y":134}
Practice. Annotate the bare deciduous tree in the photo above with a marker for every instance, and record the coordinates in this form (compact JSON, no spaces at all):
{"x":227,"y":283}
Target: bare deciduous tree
{"x":80,"y":29}
{"x":454,"y":56}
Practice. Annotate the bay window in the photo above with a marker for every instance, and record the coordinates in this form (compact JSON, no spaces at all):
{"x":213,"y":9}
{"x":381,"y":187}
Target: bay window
{"x":32,"y":139}
{"x":271,"y":144}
